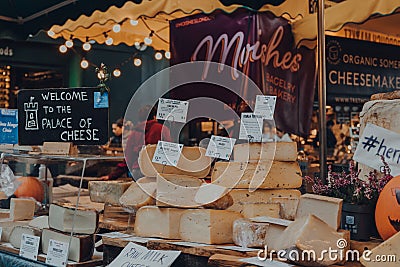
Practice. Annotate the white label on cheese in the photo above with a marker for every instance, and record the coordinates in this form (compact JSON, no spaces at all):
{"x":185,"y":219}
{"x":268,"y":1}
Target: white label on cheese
{"x":220,"y":147}
{"x":375,"y":142}
{"x":29,"y":246}
{"x":237,"y":248}
{"x":167,"y":153}
{"x":57,"y":253}
{"x":172,"y":110}
{"x":265,"y":106}
{"x":135,"y":255}
{"x":251,"y":127}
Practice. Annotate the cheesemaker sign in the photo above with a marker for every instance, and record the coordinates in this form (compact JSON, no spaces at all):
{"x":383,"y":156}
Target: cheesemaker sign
{"x":357,"y":69}
{"x":261,"y":46}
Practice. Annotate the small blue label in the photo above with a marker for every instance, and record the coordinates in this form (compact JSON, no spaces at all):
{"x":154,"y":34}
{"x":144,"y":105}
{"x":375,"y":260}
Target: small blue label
{"x":100,"y":100}
{"x":9,"y":126}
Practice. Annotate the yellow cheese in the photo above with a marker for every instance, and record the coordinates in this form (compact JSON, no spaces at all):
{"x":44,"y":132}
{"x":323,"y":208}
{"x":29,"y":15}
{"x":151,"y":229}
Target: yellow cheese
{"x":280,"y":151}
{"x":152,"y":221}
{"x":249,"y":234}
{"x":207,"y":226}
{"x":107,"y":191}
{"x":251,"y":210}
{"x":288,"y":206}
{"x":257,"y":175}
{"x":212,"y":196}
{"x":259,"y":196}
{"x":386,"y":254}
{"x":22,"y":209}
{"x":328,"y":209}
{"x":140,"y":193}
{"x":192,"y":162}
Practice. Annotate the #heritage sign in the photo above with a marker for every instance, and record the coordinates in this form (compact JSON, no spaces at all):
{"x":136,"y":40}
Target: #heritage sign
{"x":76,"y":115}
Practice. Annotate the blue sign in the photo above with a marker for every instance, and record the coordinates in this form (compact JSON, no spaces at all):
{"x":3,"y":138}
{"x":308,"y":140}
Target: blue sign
{"x":100,"y":100}
{"x":8,"y":126}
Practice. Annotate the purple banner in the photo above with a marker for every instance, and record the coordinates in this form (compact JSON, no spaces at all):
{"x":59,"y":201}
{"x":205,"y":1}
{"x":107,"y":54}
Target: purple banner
{"x":259,"y":45}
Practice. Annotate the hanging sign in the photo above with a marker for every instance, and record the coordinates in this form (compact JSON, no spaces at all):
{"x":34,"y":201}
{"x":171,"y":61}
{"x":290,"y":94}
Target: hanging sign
{"x":220,"y":147}
{"x":167,"y":153}
{"x":172,"y":110}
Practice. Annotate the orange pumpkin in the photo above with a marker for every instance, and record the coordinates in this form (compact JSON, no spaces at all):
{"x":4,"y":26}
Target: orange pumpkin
{"x":30,"y":187}
{"x":387,"y":212}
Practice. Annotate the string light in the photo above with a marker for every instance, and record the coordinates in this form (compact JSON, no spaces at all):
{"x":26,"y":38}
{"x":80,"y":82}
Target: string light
{"x":134,"y":22}
{"x":84,"y":63}
{"x":148,"y":40}
{"x":109,"y":40}
{"x":116,"y":28}
{"x":50,"y":33}
{"x":63,"y":49}
{"x":117,"y":73}
{"x":158,"y":56}
{"x":69,"y":43}
{"x":87,"y":46}
{"x":167,"y":54}
{"x":137,"y":62}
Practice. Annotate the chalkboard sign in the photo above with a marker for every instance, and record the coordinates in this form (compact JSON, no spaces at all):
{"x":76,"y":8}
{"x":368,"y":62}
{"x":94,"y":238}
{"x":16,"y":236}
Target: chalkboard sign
{"x":77,"y":115}
{"x":8,"y":126}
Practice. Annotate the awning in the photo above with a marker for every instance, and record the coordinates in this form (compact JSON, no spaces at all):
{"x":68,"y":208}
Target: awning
{"x":151,"y":18}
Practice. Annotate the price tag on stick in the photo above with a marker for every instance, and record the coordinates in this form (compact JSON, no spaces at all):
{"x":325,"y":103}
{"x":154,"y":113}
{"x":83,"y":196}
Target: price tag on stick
{"x":220,"y":147}
{"x":251,"y":127}
{"x":172,"y":110}
{"x":167,"y":153}
{"x":57,"y":253}
{"x":265,"y":106}
{"x":29,"y":246}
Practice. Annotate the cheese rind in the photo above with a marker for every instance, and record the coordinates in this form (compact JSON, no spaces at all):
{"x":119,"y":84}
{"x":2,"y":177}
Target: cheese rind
{"x":152,"y":221}
{"x":328,"y":209}
{"x":107,"y":191}
{"x":140,"y":193}
{"x":207,"y":226}
{"x":280,"y":151}
{"x":388,"y":250}
{"x":22,"y":209}
{"x":288,"y":206}
{"x":62,"y":219}
{"x":269,"y":175}
{"x":81,"y":247}
{"x":249,"y":234}
{"x":18,"y":231}
{"x":192,"y":162}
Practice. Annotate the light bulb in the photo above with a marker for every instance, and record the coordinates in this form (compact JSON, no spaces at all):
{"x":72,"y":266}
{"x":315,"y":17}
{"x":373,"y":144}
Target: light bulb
{"x":69,"y":43}
{"x":63,"y":48}
{"x":117,"y":72}
{"x":148,"y":41}
{"x":158,"y":56}
{"x":137,"y":44}
{"x":84,"y":64}
{"x":168,"y":54}
{"x":50,"y":33}
{"x":134,"y":22}
{"x":137,"y":62}
{"x":87,"y":46}
{"x":116,"y":28}
{"x":109,"y":41}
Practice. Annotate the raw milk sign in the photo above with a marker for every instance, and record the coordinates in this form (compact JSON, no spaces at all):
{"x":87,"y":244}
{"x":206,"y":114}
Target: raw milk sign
{"x":376,"y":142}
{"x":77,"y":115}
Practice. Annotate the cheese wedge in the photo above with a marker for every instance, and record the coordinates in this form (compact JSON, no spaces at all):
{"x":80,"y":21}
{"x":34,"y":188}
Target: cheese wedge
{"x":274,"y":231}
{"x":7,"y":226}
{"x":81,"y":247}
{"x":192,"y":162}
{"x":257,"y":175}
{"x":139,"y":194}
{"x":309,"y":233}
{"x":152,"y":221}
{"x":107,"y":191}
{"x":249,"y":234}
{"x":62,"y":218}
{"x":18,"y":231}
{"x":40,"y":222}
{"x":177,"y":190}
{"x":22,"y":209}
{"x":328,"y":209}
{"x":259,"y":196}
{"x":288,"y":206}
{"x":207,"y":226}
{"x":251,"y":210}
{"x":212,"y":196}
{"x":279,"y":151}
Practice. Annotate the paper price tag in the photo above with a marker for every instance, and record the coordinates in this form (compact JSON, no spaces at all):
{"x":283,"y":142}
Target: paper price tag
{"x":29,"y":246}
{"x":251,"y":127}
{"x":57,"y":253}
{"x":135,"y":255}
{"x":167,"y":153}
{"x":220,"y":147}
{"x":265,"y":106}
{"x":172,"y":110}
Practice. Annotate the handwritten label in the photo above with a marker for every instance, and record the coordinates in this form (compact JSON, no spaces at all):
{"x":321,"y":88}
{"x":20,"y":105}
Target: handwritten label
{"x":265,"y":106}
{"x":172,"y":110}
{"x":29,"y":246}
{"x":375,"y":142}
{"x":167,"y":153}
{"x":220,"y":147}
{"x":139,"y":256}
{"x":57,"y":253}
{"x":9,"y":126}
{"x":251,"y":127}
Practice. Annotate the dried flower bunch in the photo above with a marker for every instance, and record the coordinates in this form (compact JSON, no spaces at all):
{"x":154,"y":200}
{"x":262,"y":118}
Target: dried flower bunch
{"x":349,"y":187}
